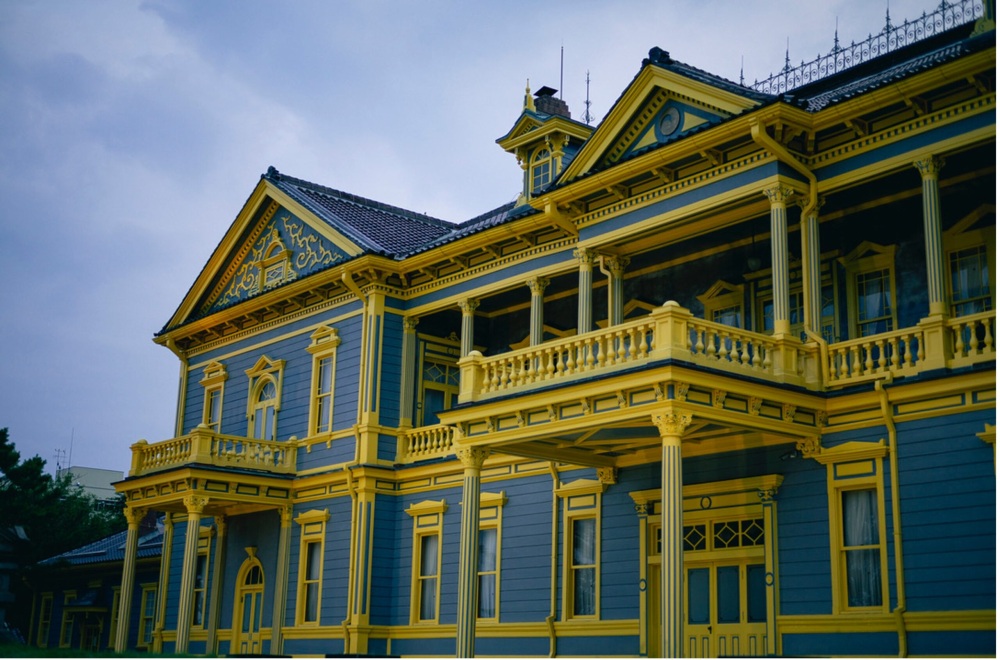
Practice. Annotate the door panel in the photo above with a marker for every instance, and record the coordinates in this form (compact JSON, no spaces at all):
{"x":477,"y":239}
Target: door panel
{"x":726,"y":609}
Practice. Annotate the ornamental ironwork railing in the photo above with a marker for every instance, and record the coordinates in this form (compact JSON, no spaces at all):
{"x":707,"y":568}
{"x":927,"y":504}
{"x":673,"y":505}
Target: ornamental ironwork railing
{"x":892,"y":37}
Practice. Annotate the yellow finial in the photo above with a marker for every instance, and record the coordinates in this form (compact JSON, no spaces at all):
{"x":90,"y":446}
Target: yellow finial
{"x":529,"y":100}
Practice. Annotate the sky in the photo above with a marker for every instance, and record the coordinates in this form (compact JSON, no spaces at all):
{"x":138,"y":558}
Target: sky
{"x":132,"y":132}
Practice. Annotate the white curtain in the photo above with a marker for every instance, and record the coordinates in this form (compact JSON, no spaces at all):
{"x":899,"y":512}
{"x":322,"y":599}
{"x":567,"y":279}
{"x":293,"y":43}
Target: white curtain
{"x":428,"y":568}
{"x":487,"y":571}
{"x":861,"y":531}
{"x":584,"y":558}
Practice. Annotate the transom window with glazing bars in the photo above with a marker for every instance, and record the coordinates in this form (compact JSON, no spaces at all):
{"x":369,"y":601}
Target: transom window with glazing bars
{"x":722,"y":535}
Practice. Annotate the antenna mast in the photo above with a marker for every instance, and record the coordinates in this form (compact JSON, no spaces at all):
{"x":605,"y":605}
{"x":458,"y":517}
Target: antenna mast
{"x":587,"y":117}
{"x":560,"y":72}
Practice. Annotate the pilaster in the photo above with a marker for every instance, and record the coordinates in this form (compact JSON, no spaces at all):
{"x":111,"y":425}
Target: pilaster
{"x":359,"y":598}
{"x":409,"y":366}
{"x":281,"y":580}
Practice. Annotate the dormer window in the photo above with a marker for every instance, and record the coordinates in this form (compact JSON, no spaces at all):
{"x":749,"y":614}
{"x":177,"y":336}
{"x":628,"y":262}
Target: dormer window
{"x":541,"y":170}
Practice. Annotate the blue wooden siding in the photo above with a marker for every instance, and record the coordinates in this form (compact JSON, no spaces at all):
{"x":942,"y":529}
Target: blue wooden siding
{"x":948,"y":508}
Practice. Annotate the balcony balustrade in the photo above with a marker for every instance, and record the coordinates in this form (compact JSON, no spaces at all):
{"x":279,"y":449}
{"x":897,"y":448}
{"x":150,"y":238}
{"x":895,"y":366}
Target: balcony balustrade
{"x":203,"y":446}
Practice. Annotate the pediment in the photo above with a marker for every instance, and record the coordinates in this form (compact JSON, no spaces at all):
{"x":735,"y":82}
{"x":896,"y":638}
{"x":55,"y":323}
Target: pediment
{"x":273,"y":242}
{"x":660,"y":106}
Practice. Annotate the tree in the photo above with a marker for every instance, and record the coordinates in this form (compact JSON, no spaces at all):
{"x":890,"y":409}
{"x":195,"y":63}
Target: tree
{"x":54,"y":515}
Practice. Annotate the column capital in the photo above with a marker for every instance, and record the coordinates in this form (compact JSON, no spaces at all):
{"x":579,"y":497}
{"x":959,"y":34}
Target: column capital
{"x":671,"y":423}
{"x":537,"y":285}
{"x":195,"y":504}
{"x":929,"y":166}
{"x":410,"y":323}
{"x":469,"y":305}
{"x":803,"y":202}
{"x":778,"y":195}
{"x":134,"y":515}
{"x":585,"y":257}
{"x":285,"y":513}
{"x":472,"y":457}
{"x":615,"y":264}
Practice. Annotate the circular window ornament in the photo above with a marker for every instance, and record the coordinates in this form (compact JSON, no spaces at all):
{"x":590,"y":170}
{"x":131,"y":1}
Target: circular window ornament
{"x":670,"y":121}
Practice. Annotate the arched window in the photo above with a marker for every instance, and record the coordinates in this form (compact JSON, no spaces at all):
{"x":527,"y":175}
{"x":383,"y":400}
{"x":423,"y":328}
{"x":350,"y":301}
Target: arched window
{"x":264,"y":408}
{"x":264,"y":400}
{"x":541,"y":170}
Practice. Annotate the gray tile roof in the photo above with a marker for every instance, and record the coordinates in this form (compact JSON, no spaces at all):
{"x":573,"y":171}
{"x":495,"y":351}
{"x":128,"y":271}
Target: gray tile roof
{"x":110,"y":549}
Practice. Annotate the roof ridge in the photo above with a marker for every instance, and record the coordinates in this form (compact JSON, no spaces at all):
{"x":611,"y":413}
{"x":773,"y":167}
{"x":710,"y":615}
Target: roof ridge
{"x":273,"y":174}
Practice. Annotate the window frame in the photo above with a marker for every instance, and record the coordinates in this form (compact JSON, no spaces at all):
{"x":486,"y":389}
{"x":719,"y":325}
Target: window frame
{"x":542,"y":167}
{"x":581,"y":500}
{"x":490,"y":517}
{"x":323,"y":347}
{"x":855,"y":466}
{"x":44,"y":619}
{"x":723,"y":296}
{"x":443,"y":353}
{"x":961,"y":236}
{"x":116,"y":597}
{"x":864,"y":260}
{"x":312,"y":525}
{"x":147,"y":620}
{"x":202,"y":561}
{"x":428,"y":521}
{"x":213,"y":382}
{"x":66,"y":622}
{"x":266,"y":371}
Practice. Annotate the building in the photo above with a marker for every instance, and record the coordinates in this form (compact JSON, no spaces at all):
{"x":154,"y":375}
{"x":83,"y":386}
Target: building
{"x":97,"y":482}
{"x":720,"y":382}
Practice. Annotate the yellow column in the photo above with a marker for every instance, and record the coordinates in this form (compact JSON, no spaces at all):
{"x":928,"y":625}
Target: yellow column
{"x":812,"y":287}
{"x":472,"y":459}
{"x":409,"y":365}
{"x":281,"y":580}
{"x":468,"y":308}
{"x":163,"y":584}
{"x":614,"y":267}
{"x":929,"y":168}
{"x":537,"y":327}
{"x":359,"y":597}
{"x":779,"y":197}
{"x":195,"y":505}
{"x":133,"y":516}
{"x":672,"y":425}
{"x":218,"y":571}
{"x":585,"y":288}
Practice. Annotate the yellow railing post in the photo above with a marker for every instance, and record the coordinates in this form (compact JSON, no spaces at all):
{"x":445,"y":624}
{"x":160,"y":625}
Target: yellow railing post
{"x":938,"y":346}
{"x":138,"y":451}
{"x":201,"y":444}
{"x":471,"y":376}
{"x":671,"y":337}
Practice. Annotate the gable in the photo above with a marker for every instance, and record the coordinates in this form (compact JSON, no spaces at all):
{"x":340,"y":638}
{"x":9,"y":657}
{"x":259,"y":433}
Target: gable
{"x":279,"y":248}
{"x":661,"y":105}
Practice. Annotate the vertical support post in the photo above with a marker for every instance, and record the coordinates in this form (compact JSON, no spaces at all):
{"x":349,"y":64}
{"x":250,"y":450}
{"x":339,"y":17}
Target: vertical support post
{"x":360,"y":583}
{"x":133,"y":517}
{"x":215,"y":596}
{"x":616,"y":288}
{"x":642,"y":510}
{"x":195,"y":506}
{"x":779,"y":197}
{"x":281,"y":581}
{"x":537,"y":328}
{"x":770,"y":567}
{"x":671,"y":425}
{"x":585,"y":287}
{"x":468,"y":308}
{"x":929,"y":168}
{"x":472,"y":459}
{"x":812,"y":288}
{"x":409,"y":371}
{"x":163,"y":584}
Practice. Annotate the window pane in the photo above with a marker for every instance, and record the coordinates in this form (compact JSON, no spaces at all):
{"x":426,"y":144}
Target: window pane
{"x":487,"y":596}
{"x":864,"y":578}
{"x":325,"y":378}
{"x":584,"y":541}
{"x":487,"y":549}
{"x":727,"y":591}
{"x":860,"y":517}
{"x":584,"y":591}
{"x":312,"y":602}
{"x":313,"y":561}
{"x":428,"y":555}
{"x":698,"y":600}
{"x":323,"y":415}
{"x":756,"y":594}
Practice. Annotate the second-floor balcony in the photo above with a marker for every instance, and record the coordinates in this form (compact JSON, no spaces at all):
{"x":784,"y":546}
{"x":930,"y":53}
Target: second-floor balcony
{"x":203,"y":446}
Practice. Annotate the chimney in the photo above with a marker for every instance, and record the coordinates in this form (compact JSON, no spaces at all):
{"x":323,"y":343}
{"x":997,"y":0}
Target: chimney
{"x":546,"y":101}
